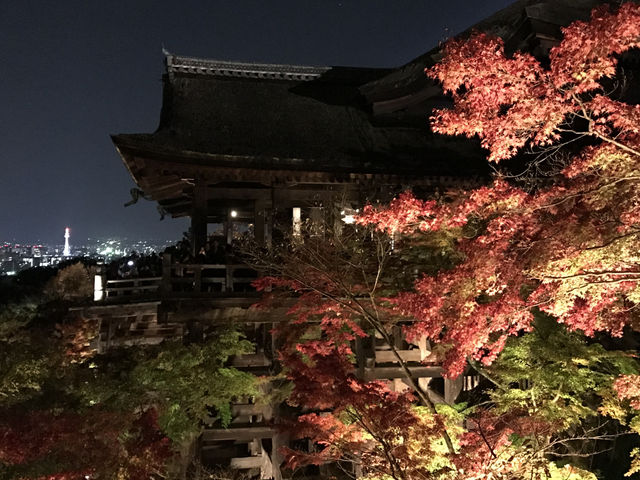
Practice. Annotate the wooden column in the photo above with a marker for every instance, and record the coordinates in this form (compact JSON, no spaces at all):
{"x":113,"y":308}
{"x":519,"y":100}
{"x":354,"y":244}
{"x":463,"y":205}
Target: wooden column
{"x":165,"y":285}
{"x":199,"y":217}
{"x":452,"y":388}
{"x":360,"y":358}
{"x":228,"y":233}
{"x":262,"y":222}
{"x":398,"y":337}
{"x":228,"y":228}
{"x":316,"y":215}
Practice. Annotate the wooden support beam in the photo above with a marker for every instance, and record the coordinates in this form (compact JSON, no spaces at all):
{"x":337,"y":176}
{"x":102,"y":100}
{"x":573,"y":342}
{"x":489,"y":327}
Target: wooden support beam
{"x":452,"y":388}
{"x":231,"y":315}
{"x":125,"y":310}
{"x":425,"y":347}
{"x":262,"y":222}
{"x":243,"y":463}
{"x":266,"y":469}
{"x":360,"y":357}
{"x":250,"y":360}
{"x":397,"y":372}
{"x":398,"y":337}
{"x":288,"y":197}
{"x":165,"y":283}
{"x":251,"y":409}
{"x":387,"y":356}
{"x":277,"y":441}
{"x":168,"y":191}
{"x":199,"y":217}
{"x":240,"y":433}
{"x":221,"y":452}
{"x":242,"y":193}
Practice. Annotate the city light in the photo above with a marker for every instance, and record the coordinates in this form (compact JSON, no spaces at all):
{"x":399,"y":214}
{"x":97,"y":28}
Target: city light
{"x":16,"y":257}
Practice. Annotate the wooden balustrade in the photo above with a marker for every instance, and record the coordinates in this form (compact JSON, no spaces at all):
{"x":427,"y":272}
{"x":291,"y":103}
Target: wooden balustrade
{"x":181,"y":278}
{"x":131,"y":286}
{"x":207,"y":278}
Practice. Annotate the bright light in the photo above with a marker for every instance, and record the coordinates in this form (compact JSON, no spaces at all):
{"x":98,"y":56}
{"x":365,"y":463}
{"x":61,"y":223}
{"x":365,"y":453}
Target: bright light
{"x":98,"y":288}
{"x":130,"y":263}
{"x":349,"y":215}
{"x":234,"y":214}
{"x":297,"y":221}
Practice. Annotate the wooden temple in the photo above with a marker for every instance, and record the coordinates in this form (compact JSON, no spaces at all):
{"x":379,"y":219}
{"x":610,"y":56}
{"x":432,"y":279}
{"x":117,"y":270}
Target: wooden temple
{"x":247,"y":148}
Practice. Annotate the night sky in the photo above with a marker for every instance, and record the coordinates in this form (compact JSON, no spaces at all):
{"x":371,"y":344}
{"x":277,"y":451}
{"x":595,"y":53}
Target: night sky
{"x":74,"y":72}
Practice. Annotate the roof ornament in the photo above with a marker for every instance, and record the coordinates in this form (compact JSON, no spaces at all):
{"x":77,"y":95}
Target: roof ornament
{"x":136,"y":194}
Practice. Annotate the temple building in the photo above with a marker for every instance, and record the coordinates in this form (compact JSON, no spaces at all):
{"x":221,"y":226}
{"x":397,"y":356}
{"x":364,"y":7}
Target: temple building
{"x":252,"y":147}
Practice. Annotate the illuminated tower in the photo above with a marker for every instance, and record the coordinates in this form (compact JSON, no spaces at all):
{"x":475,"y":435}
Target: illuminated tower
{"x":67,"y":249}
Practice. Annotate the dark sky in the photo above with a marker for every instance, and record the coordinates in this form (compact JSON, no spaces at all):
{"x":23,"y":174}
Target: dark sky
{"x":73,"y":72}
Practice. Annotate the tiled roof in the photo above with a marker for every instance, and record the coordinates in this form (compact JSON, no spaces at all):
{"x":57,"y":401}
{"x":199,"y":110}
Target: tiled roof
{"x":199,"y":66}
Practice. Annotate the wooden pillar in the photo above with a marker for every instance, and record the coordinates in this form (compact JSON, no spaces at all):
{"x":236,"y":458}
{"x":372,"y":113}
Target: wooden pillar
{"x":259,"y":222}
{"x":398,"y":337}
{"x":262,"y":222}
{"x":360,"y":358}
{"x":228,"y":228}
{"x":197,"y":279}
{"x":268,"y":224}
{"x":199,"y":217}
{"x":111,"y":327}
{"x":228,"y":233}
{"x":277,"y":441}
{"x":165,"y":285}
{"x":452,"y":388}
{"x":337,"y":225}
{"x":357,"y":469}
{"x":316,"y":215}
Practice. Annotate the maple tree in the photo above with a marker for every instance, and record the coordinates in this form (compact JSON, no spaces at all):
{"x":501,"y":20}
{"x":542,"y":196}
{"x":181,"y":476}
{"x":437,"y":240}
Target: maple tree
{"x":339,"y":281}
{"x":571,"y":245}
{"x":74,"y":445}
{"x":551,"y":250}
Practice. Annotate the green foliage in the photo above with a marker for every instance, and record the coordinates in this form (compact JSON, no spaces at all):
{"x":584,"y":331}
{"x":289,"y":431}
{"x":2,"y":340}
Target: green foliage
{"x":42,"y":376}
{"x":556,"y":374}
{"x":188,"y":384}
{"x":568,"y":472}
{"x":187,"y":381}
{"x":13,"y":320}
{"x":27,"y":357}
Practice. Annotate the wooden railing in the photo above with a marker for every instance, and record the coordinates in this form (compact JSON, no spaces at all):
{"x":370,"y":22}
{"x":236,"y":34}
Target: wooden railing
{"x":207,"y":278}
{"x":131,"y":286}
{"x":180,"y":279}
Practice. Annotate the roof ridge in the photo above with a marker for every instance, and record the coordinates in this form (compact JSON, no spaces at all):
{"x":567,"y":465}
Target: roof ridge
{"x":205,"y":66}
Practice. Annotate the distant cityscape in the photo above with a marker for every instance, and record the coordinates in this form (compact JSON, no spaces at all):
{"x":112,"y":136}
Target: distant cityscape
{"x":15,"y":257}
